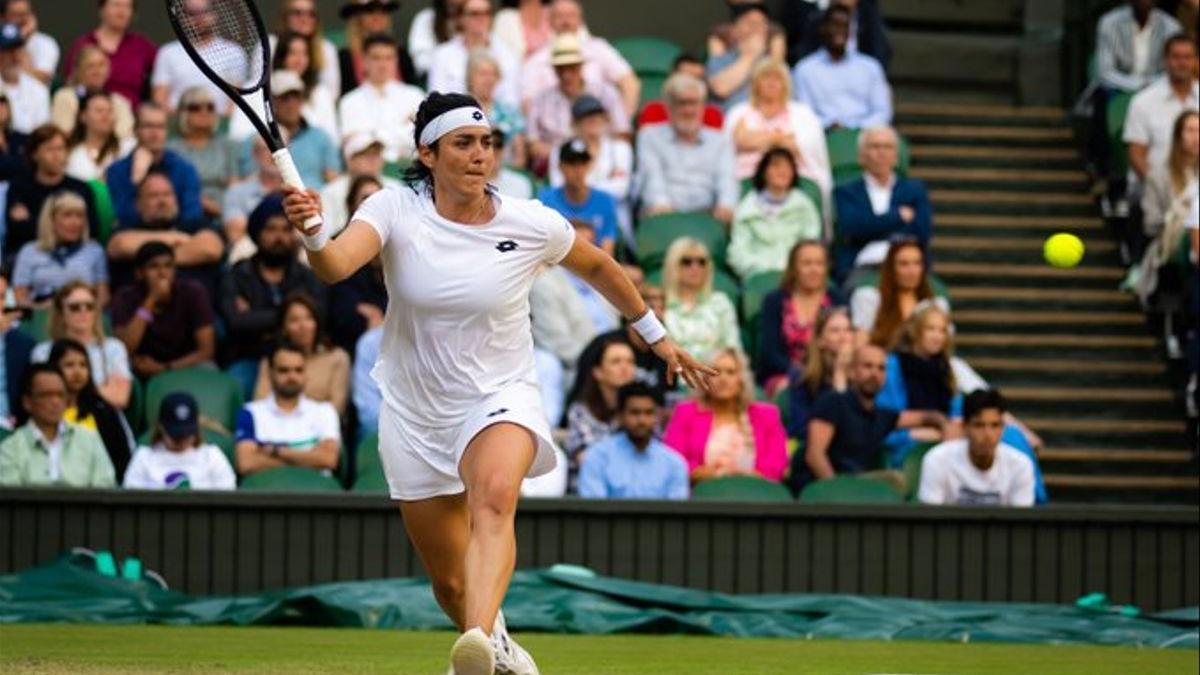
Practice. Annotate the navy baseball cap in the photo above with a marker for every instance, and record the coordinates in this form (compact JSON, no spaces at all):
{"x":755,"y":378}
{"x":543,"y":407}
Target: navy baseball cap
{"x":586,"y":105}
{"x":574,"y":151}
{"x":179,"y":415}
{"x":10,"y":36}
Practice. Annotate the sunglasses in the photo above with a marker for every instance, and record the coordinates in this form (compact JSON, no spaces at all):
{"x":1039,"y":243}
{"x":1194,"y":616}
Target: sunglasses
{"x":80,"y":306}
{"x":688,"y":261}
{"x":200,"y":107}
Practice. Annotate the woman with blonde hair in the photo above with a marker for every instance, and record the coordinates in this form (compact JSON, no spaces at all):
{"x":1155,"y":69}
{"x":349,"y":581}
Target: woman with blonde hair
{"x":92,"y":68}
{"x":1170,"y":192}
{"x":61,"y":253}
{"x":772,"y":119}
{"x":701,"y":320}
{"x":75,"y":314}
{"x":214,"y":155}
{"x":724,"y":432}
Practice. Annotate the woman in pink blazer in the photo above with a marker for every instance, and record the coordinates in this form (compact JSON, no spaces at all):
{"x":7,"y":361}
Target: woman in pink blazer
{"x":724,"y":432}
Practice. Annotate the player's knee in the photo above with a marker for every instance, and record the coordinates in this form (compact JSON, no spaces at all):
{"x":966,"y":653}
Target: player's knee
{"x":449,"y":589}
{"x":494,"y":496}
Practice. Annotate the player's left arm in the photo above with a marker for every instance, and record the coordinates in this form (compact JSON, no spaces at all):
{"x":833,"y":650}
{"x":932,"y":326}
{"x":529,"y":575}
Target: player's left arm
{"x":603,"y":273}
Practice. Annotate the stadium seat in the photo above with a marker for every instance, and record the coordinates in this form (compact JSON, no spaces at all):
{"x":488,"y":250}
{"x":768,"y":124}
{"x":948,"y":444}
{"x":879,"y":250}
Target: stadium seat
{"x":366,"y":455}
{"x":850,"y":490}
{"x":652,"y":84}
{"x":781,"y":402}
{"x":290,"y":479}
{"x":656,"y":233}
{"x":742,"y":489}
{"x":35,"y":325}
{"x":648,"y":55}
{"x":134,"y":412}
{"x":218,"y":395}
{"x":754,"y":289}
{"x":843,"y":155}
{"x":105,"y":212}
{"x":912,"y":468}
{"x":810,"y":188}
{"x":1118,"y":108}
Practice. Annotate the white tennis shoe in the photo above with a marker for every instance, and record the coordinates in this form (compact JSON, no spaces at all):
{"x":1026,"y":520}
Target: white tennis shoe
{"x":473,"y":654}
{"x":511,"y":658}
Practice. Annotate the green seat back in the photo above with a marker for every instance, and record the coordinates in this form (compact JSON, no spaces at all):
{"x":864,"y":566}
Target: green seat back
{"x":754,"y":289}
{"x":290,"y":479}
{"x":218,"y":395}
{"x":372,"y":481}
{"x":781,"y":401}
{"x":337,"y":36}
{"x":742,"y":489}
{"x":813,"y":191}
{"x":221,"y":440}
{"x":850,"y":490}
{"x":652,"y":85}
{"x":105,"y":211}
{"x":843,"y":155}
{"x":656,"y":234}
{"x":35,"y":325}
{"x":135,"y":412}
{"x":366,"y":455}
{"x":648,"y":55}
{"x":912,"y":468}
{"x":1118,"y":108}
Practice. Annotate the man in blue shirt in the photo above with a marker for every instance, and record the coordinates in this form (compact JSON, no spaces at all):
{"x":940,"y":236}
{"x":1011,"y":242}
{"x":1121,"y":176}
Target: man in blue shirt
{"x":844,"y":87}
{"x":314,"y":152}
{"x":576,"y":200}
{"x":632,"y":464}
{"x":151,"y":154}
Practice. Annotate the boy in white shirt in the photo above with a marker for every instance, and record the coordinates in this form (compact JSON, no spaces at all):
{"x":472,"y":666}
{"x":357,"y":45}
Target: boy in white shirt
{"x":177,"y":458}
{"x":978,"y":470}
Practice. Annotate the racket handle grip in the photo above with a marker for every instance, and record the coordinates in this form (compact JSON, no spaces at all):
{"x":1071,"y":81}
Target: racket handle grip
{"x":291,"y":178}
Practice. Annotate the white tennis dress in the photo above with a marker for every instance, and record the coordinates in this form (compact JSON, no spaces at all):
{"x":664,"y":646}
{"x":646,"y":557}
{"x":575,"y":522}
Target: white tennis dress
{"x":457,"y":350}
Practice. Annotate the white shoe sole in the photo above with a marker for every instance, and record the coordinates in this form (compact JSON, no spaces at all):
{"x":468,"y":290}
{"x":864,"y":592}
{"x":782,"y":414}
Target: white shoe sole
{"x":472,"y":654}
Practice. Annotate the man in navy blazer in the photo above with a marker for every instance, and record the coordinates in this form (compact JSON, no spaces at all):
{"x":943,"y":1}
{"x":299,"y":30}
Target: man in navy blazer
{"x":879,"y":205}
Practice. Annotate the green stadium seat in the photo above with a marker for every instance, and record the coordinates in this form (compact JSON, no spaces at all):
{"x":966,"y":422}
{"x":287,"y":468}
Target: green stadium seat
{"x":652,"y":84}
{"x":290,"y":479}
{"x":781,"y":402}
{"x":843,"y":155}
{"x":754,"y":289}
{"x":912,"y":468}
{"x":742,"y":489}
{"x":135,"y":413}
{"x":105,"y":211}
{"x":337,"y":36}
{"x":366,"y":455}
{"x":655,"y":235}
{"x":810,"y":188}
{"x":1118,"y":108}
{"x":648,"y":55}
{"x":218,"y":395}
{"x":35,"y":325}
{"x":371,"y":482}
{"x":850,"y":490}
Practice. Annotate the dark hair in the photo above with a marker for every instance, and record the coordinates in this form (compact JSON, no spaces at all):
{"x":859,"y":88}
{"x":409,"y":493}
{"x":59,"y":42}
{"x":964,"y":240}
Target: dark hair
{"x":980,"y":400}
{"x":637,"y":389}
{"x":356,"y":184}
{"x":685,"y":57}
{"x":149,"y":251}
{"x":320,"y":339}
{"x":41,"y":136}
{"x":591,"y":395}
{"x":88,"y":398}
{"x":434,"y":105}
{"x":835,"y":8}
{"x":112,"y":144}
{"x":1174,"y":40}
{"x":283,"y":346}
{"x":375,"y":39}
{"x":153,"y":173}
{"x":310,"y":75}
{"x":760,"y":173}
{"x":33,"y":371}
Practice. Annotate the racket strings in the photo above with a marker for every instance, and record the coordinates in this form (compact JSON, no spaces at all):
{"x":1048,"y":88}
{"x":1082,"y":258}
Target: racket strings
{"x":225,"y":35}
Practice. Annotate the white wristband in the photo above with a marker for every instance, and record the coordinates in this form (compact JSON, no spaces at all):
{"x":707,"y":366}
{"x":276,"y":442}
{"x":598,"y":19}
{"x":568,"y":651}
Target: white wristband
{"x":316,"y":242}
{"x":650,"y":328}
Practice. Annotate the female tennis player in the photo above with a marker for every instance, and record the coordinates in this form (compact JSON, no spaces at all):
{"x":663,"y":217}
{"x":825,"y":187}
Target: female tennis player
{"x":462,"y":423}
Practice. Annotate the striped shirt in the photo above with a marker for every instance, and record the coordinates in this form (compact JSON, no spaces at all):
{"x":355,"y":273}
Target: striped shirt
{"x":300,"y":428}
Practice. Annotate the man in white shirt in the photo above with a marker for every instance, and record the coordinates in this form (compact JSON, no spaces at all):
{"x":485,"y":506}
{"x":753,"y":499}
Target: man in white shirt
{"x":175,"y":73}
{"x":41,"y":54}
{"x":978,"y":470}
{"x":1153,"y":111}
{"x":287,"y":428}
{"x":363,"y":153}
{"x":382,"y":105}
{"x":448,"y":69}
{"x":602,"y":62}
{"x":28,"y":98}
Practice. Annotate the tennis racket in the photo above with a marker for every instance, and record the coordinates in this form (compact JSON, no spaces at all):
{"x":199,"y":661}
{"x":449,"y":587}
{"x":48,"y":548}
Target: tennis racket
{"x":227,"y":41}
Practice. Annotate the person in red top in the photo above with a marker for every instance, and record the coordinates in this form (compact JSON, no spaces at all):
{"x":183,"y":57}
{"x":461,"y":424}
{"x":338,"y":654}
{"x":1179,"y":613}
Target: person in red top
{"x":132,"y":54}
{"x":655,"y":112}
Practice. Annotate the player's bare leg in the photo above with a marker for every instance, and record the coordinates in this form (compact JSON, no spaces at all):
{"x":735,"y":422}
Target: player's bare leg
{"x":439,"y":528}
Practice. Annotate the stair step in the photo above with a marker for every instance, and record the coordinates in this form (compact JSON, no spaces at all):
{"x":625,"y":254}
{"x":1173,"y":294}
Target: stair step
{"x":966,"y":269}
{"x":1067,"y":295}
{"x":1164,"y":483}
{"x":1106,"y":425}
{"x":1089,"y":455}
{"x":992,"y":155}
{"x":1002,"y":222}
{"x":995,"y":175}
{"x":979,"y":135}
{"x":1060,"y":366}
{"x":1057,"y":340}
{"x":1117,"y":394}
{"x":1042,"y":114}
{"x":1005,"y":243}
{"x":1023,"y":197}
{"x":986,"y":319}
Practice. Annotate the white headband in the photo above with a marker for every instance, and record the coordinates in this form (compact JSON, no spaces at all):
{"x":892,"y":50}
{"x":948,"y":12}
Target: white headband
{"x":451,"y":120}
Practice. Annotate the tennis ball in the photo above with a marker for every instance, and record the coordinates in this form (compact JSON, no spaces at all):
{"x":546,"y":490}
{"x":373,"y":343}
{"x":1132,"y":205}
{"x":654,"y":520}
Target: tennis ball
{"x":1063,"y":250}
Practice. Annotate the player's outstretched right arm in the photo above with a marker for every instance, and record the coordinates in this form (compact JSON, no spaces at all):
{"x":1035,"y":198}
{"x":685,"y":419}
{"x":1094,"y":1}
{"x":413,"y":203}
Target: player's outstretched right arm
{"x":334,"y":259}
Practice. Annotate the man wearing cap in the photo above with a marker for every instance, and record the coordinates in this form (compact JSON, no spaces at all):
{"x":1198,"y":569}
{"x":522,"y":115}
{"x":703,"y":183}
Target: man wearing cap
{"x":576,"y":200}
{"x":612,"y":157}
{"x":175,"y":72}
{"x":151,"y":154}
{"x":550,"y":117}
{"x":41,"y":50}
{"x":448,"y":69}
{"x":363,"y":152}
{"x":177,"y":458}
{"x":48,"y":450}
{"x":382,"y":105}
{"x":165,"y":322}
{"x":28,"y":97}
{"x":313,"y":151}
{"x":253,"y":290}
{"x":602,"y":62}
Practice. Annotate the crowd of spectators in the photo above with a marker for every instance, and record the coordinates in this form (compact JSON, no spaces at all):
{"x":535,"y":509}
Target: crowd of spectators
{"x":140,"y":203}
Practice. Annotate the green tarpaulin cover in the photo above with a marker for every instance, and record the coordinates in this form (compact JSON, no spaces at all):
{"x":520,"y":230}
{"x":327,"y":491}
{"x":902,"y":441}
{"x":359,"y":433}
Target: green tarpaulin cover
{"x":572,"y":600}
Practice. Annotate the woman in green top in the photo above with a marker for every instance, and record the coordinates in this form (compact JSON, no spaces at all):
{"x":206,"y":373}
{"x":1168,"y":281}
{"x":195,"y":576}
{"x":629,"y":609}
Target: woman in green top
{"x":704,"y":321}
{"x":771,"y":217}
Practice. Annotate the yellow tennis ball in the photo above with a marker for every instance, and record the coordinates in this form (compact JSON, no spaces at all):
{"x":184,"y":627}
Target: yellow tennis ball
{"x":1063,"y":250}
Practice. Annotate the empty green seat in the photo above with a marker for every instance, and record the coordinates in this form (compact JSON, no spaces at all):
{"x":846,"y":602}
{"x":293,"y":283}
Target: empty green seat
{"x":366,"y":455}
{"x":754,"y":289}
{"x":105,"y":212}
{"x":1118,"y":108}
{"x":35,"y":325}
{"x":290,"y":479}
{"x":372,"y":481}
{"x":912,"y":468}
{"x":656,"y":234}
{"x":742,"y":489}
{"x":218,"y":395}
{"x":850,"y":490}
{"x":648,"y":55}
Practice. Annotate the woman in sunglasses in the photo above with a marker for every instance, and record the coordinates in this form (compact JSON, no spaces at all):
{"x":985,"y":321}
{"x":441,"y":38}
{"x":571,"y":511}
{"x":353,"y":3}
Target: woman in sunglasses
{"x":214,"y":155}
{"x":702,"y":320}
{"x":75,"y":314}
{"x":61,"y":253}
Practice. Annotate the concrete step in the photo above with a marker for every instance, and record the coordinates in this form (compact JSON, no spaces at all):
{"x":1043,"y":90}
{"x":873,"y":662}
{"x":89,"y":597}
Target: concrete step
{"x":1105,"y":394}
{"x":1110,"y":455}
{"x":1001,"y":179}
{"x":1066,"y":371}
{"x":990,"y":274}
{"x":1014,"y":225}
{"x":935,"y":153}
{"x":979,"y":135}
{"x":983,"y":113}
{"x":1011,"y":203}
{"x":970,"y":321}
{"x":1056,"y":481}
